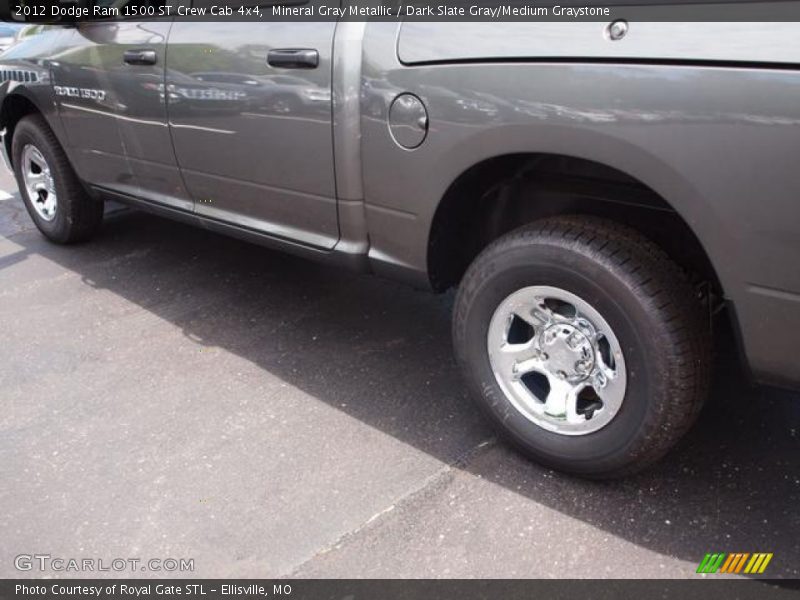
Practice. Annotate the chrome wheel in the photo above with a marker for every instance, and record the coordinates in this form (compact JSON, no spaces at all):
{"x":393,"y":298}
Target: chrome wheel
{"x":39,"y":183}
{"x":557,"y":360}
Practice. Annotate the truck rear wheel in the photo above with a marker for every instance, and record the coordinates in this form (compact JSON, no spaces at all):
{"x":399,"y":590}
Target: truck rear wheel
{"x":584,"y":344}
{"x":53,"y":195}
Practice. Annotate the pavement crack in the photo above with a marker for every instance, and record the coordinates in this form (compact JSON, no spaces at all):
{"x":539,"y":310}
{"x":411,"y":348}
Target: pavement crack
{"x":406,"y":499}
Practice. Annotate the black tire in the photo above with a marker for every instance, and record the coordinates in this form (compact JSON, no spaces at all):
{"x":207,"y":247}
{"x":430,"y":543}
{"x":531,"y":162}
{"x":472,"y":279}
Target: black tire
{"x":647,"y":301}
{"x":77,"y":215}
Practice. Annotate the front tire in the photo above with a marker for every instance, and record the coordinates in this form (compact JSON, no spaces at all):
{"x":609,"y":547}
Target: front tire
{"x":584,"y":344}
{"x":52,"y":192}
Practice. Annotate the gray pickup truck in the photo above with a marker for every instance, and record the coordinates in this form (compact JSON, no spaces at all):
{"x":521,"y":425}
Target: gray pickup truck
{"x":597,"y":192}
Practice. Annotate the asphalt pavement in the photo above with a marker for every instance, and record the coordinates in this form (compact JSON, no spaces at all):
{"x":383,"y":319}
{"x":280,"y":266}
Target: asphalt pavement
{"x":167,"y":392}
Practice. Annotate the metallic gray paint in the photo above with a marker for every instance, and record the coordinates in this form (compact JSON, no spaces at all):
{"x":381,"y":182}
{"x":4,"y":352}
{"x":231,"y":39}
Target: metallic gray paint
{"x":31,"y":57}
{"x":347,"y":44}
{"x":254,"y":142}
{"x":122,"y":142}
{"x":717,"y":142}
{"x":721,"y":42}
{"x":408,"y":121}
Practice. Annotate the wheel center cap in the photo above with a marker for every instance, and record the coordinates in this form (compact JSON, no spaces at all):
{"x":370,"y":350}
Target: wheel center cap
{"x":570,"y":354}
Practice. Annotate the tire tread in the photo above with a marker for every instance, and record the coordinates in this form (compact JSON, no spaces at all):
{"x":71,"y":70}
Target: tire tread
{"x":662,"y":287}
{"x":82,"y":214}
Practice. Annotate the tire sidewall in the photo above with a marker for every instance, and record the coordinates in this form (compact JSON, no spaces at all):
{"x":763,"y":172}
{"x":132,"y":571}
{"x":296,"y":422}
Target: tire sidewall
{"x":26,"y":133}
{"x":617,"y":443}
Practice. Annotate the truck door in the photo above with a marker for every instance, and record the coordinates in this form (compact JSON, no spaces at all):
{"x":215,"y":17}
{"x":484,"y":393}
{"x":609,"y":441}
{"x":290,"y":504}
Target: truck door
{"x":249,"y":108}
{"x":109,"y":84}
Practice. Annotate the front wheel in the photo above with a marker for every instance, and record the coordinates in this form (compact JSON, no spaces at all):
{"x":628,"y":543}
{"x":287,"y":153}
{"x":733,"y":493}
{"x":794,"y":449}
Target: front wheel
{"x":584,"y":343}
{"x":53,"y":195}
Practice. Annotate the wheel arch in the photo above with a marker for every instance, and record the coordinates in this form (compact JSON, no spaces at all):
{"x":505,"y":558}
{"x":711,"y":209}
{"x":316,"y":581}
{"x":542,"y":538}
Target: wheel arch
{"x":15,"y":106}
{"x":502,"y":191}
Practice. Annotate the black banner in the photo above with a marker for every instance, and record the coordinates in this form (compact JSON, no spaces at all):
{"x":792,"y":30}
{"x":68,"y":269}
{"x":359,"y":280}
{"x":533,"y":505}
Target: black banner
{"x":68,"y":11}
{"x":304,"y":589}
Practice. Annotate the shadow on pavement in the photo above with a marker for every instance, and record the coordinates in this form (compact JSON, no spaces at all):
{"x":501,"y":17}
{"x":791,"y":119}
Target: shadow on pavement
{"x":381,"y":353}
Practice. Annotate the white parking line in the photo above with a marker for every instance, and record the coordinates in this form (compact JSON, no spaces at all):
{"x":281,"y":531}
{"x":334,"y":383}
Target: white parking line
{"x":5,"y":195}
